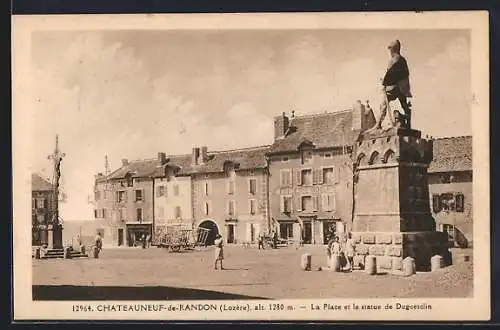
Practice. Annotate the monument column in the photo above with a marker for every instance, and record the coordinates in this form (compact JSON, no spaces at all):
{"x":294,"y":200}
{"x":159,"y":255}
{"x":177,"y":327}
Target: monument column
{"x":392,"y":218}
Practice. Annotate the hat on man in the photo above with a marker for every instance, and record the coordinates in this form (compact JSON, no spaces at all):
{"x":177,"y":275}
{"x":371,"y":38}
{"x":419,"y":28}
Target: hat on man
{"x":395,"y":45}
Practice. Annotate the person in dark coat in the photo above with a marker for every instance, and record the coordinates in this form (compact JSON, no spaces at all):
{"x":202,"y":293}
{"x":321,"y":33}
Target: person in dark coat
{"x":396,"y":85}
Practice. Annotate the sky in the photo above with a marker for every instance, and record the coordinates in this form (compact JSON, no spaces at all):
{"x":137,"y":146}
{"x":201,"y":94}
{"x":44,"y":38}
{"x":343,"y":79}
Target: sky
{"x":132,"y":94}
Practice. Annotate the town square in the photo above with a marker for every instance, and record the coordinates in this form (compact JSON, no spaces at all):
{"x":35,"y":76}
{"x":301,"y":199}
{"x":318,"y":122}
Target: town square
{"x":253,"y":164}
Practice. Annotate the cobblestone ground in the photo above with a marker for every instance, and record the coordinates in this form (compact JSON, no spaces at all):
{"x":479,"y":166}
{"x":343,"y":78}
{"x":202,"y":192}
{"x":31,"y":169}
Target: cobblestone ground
{"x":250,"y":272}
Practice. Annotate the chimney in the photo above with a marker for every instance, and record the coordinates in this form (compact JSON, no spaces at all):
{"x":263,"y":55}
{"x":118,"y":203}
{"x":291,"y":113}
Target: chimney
{"x":194,"y":156}
{"x":281,"y":124}
{"x":162,"y":158}
{"x":124,"y":162}
{"x":203,"y":154}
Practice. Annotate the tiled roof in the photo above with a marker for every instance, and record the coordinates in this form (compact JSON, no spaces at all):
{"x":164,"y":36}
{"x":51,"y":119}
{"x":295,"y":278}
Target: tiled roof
{"x":248,"y":158}
{"x":137,"y":168}
{"x":451,"y":154}
{"x":40,"y":184}
{"x":329,"y":129}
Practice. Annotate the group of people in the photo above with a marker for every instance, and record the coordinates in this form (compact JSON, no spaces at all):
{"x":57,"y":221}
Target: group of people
{"x":345,"y":249}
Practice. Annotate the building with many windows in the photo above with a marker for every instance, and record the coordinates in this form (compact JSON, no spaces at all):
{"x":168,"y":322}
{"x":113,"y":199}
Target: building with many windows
{"x":42,"y":196}
{"x":450,"y":188}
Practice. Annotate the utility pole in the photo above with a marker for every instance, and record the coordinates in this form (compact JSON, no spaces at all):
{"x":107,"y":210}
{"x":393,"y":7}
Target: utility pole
{"x":55,"y":227}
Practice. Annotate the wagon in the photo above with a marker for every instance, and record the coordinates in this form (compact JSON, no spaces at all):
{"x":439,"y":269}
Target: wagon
{"x":176,"y":237}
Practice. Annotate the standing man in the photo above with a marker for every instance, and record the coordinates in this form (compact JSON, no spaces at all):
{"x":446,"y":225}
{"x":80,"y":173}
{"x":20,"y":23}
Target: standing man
{"x":396,"y":85}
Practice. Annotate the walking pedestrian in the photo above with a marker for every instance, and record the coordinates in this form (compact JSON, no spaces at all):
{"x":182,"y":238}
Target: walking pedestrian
{"x":148,"y":241}
{"x":98,"y":243}
{"x":219,"y":251}
{"x":350,"y":247}
{"x":261,"y":241}
{"x":143,"y":240}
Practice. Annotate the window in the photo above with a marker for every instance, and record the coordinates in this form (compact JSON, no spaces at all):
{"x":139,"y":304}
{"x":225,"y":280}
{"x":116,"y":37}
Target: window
{"x":138,"y":195}
{"x":446,"y":178}
{"x":206,"y":189}
{"x":41,"y":203}
{"x":436,"y":203}
{"x":286,"y":204}
{"x":253,"y":206}
{"x":328,"y":155}
{"x":122,"y":213}
{"x":286,"y":178}
{"x":459,"y":202}
{"x":104,"y":194}
{"x":252,"y":185}
{"x":207,"y":208}
{"x":284,"y":159}
{"x":328,"y":175}
{"x":97,"y":195}
{"x":139,"y":214}
{"x":307,"y":157}
{"x":121,"y":196}
{"x":178,"y":213}
{"x":130,"y":181}
{"x":328,"y":202}
{"x":161,"y":191}
{"x":231,"y":208}
{"x":306,"y":177}
{"x":286,"y":230}
{"x":447,"y":202}
{"x":176,"y":190}
{"x":95,"y":214}
{"x":307,"y":203}
{"x":104,"y":215}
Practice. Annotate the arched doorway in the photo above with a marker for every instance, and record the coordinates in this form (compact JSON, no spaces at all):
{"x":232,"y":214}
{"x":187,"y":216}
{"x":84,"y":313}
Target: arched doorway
{"x":214,"y":230}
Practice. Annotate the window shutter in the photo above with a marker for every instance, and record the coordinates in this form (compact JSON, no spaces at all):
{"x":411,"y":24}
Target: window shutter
{"x":314,"y":176}
{"x":333,"y":202}
{"x":298,"y":174}
{"x":321,"y":178}
{"x":249,"y":232}
{"x":459,"y":202}
{"x":282,"y":204}
{"x":315,"y":202}
{"x":335,"y":174}
{"x":324,"y":202}
{"x":436,"y":203}
{"x":298,"y":203}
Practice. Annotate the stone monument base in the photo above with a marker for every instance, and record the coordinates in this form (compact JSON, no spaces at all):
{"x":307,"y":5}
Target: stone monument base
{"x":391,"y":248}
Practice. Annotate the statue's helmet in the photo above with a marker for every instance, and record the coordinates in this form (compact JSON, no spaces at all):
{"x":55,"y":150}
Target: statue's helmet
{"x":395,"y":46}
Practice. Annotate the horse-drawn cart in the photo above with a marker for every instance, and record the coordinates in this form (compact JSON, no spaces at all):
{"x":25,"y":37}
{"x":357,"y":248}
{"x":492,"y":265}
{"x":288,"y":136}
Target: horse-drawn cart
{"x":177,"y":237}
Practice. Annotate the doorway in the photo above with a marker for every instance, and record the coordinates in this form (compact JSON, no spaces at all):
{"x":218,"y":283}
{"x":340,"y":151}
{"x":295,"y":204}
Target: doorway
{"x":307,"y":232}
{"x":213,"y":231}
{"x":328,"y":231}
{"x":230,"y":233}
{"x":120,"y":237}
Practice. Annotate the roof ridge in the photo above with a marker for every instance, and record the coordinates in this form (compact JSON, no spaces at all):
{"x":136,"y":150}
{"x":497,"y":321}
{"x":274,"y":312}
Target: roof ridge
{"x":240,"y":149}
{"x":318,"y":114}
{"x":452,"y":137}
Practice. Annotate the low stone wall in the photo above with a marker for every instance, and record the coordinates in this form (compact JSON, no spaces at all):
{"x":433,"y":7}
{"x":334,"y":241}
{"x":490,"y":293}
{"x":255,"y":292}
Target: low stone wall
{"x":391,"y":248}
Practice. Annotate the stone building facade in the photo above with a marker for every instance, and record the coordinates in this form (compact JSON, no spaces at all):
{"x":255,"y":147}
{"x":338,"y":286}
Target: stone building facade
{"x":311,"y":173}
{"x":42,"y":197}
{"x":230,"y":192}
{"x":450,"y":186}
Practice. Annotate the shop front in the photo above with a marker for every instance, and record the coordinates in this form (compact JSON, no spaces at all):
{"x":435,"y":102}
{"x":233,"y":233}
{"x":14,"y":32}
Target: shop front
{"x":136,"y":232}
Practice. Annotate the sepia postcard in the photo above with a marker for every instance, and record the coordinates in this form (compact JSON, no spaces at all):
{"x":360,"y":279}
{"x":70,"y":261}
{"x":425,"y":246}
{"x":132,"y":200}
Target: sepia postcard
{"x":272,"y":167}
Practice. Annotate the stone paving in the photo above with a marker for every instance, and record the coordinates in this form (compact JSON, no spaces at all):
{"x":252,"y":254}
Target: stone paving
{"x":154,"y":273}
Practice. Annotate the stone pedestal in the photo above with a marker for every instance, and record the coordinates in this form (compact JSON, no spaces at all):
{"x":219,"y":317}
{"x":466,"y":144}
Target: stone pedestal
{"x":392,"y":217}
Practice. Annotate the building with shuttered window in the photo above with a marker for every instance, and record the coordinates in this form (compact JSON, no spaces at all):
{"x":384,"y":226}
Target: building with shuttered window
{"x":450,"y":187}
{"x":42,"y":195}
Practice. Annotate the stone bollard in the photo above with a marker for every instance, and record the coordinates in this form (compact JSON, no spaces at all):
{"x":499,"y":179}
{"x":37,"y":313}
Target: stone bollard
{"x":371,"y":265}
{"x":436,"y":263}
{"x":95,"y":252}
{"x":335,"y":264}
{"x":38,"y":253}
{"x":305,"y":262}
{"x":409,"y":266}
{"x":67,"y":252}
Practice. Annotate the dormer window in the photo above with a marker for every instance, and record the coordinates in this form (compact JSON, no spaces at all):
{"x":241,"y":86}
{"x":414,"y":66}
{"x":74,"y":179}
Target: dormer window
{"x":307,"y":157}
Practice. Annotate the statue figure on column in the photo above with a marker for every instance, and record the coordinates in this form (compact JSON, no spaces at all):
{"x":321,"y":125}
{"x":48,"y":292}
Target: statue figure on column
{"x":396,"y":85}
